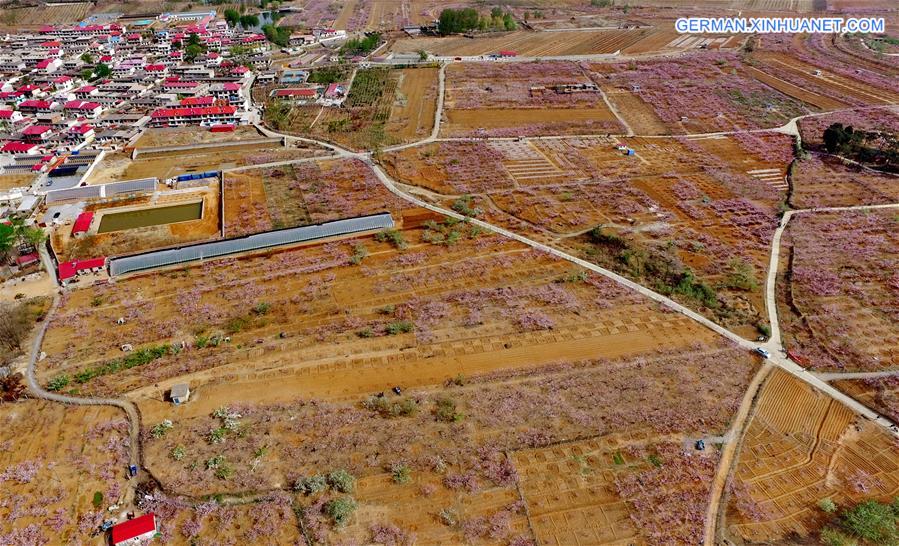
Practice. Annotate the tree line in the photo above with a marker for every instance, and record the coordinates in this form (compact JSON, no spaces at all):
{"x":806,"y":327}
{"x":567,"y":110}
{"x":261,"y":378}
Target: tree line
{"x":454,"y":21}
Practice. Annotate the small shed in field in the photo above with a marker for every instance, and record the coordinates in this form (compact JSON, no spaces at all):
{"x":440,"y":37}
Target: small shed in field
{"x":180,"y":393}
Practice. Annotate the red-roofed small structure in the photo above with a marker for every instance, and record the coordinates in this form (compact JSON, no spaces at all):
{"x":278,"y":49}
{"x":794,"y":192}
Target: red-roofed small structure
{"x":134,"y":530}
{"x":19,"y":148}
{"x":67,"y":270}
{"x":198,"y":101}
{"x":82,"y":223}
{"x":27,"y":259}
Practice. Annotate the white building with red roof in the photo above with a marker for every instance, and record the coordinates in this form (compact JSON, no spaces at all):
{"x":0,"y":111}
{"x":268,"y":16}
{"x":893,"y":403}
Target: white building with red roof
{"x":186,"y":115}
{"x":86,"y":91}
{"x":83,"y":108}
{"x":37,"y":133}
{"x":19,"y":148}
{"x":10,"y":116}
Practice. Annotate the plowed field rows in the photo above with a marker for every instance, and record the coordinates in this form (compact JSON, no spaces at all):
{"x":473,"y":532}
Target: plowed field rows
{"x":801,"y":447}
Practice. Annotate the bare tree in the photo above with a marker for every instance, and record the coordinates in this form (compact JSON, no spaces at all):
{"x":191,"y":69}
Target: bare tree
{"x":11,"y":388}
{"x":14,"y":326}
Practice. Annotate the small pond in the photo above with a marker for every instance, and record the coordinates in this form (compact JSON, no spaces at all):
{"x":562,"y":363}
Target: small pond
{"x":117,"y":221}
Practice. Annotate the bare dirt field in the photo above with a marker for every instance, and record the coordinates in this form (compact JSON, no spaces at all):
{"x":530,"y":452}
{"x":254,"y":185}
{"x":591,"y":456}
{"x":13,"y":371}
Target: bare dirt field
{"x":120,"y":166}
{"x":528,"y":44}
{"x":182,"y":136}
{"x":878,"y":393}
{"x":520,"y":99}
{"x":528,"y":122}
{"x":9,"y":181}
{"x":54,"y":459}
{"x":839,"y":303}
{"x":802,"y":447}
{"x":704,"y":205}
{"x":412,"y":115}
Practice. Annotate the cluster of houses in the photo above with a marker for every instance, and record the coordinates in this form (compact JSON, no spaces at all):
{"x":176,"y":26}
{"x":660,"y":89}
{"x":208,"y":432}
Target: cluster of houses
{"x":327,"y":95}
{"x":65,"y":88}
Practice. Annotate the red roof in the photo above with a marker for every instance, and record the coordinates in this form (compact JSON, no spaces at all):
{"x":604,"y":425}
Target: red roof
{"x":231,"y":86}
{"x":198,"y":101}
{"x":36,"y":130}
{"x":81,"y":129}
{"x":67,"y":270}
{"x":62,"y":79}
{"x":26,"y":259}
{"x":51,"y":43}
{"x":81,"y":105}
{"x":134,"y":528}
{"x":154,"y":68}
{"x":6,"y":114}
{"x":83,"y":222}
{"x":86,"y":89}
{"x":305,"y":92}
{"x":34,"y":103}
{"x":188,"y":111}
{"x":20,"y":147}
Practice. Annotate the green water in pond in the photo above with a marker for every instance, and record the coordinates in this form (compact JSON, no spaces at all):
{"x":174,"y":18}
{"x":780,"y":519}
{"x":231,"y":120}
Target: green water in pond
{"x":131,"y":219}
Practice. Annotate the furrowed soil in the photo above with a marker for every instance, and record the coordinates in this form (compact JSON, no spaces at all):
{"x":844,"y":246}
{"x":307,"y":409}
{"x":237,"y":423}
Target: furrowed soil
{"x":801,"y":447}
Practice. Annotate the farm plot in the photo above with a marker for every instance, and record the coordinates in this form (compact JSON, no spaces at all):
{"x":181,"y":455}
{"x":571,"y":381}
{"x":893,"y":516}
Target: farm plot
{"x":608,"y":490}
{"x":824,"y":181}
{"x":302,"y":194}
{"x":60,"y":467}
{"x":412,"y":115}
{"x":824,"y":71}
{"x":521,"y":99}
{"x":377,"y":112}
{"x":878,"y":393}
{"x":703,"y":92}
{"x":802,"y":447}
{"x":44,"y":14}
{"x":454,"y":448}
{"x":839,"y":299}
{"x":453,"y":298}
{"x":120,"y":166}
{"x":129,"y":241}
{"x":528,"y":44}
{"x":184,"y":136}
{"x":885,"y":119}
{"x":707,"y":206}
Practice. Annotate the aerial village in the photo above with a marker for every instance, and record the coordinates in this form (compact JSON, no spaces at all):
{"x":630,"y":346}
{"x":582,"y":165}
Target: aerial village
{"x":402,"y":272}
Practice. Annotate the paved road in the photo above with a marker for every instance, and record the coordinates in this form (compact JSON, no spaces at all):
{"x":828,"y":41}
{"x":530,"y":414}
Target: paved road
{"x":134,"y":451}
{"x":836,"y":376}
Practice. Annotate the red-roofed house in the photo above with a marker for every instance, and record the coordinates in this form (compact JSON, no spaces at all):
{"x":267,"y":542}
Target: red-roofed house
{"x":83,"y":108}
{"x":86,"y":91}
{"x":299,"y":95}
{"x":82,"y":223}
{"x":63,"y":83}
{"x":27,"y":259}
{"x":198,"y":101}
{"x":157,"y":69}
{"x":133,"y":531}
{"x":81,"y":132}
{"x":66,"y":271}
{"x":36,"y":106}
{"x":37,"y":133}
{"x":10,"y":116}
{"x":19,"y":148}
{"x":49,"y":65}
{"x":185,"y":115}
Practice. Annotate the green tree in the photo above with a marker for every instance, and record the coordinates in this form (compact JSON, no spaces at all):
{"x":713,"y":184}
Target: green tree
{"x":872,"y":521}
{"x":102,"y":70}
{"x":7,"y":239}
{"x":87,"y":57}
{"x":248,"y":21}
{"x":232,"y":16}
